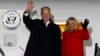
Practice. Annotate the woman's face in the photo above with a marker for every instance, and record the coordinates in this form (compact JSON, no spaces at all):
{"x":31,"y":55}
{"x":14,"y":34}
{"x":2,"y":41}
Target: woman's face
{"x":71,"y":25}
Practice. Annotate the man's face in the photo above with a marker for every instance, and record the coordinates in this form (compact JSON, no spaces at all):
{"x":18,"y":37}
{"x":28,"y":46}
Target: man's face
{"x":45,"y":14}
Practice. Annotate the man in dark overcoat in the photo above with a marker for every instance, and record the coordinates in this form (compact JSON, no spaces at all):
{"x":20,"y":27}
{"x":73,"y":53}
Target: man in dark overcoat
{"x":45,"y":36}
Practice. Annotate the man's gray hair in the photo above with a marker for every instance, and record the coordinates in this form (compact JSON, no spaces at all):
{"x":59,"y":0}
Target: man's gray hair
{"x":45,"y":7}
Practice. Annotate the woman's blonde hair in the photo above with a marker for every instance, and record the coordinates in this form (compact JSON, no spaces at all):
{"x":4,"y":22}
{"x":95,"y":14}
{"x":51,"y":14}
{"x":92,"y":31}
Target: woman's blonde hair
{"x":71,"y":19}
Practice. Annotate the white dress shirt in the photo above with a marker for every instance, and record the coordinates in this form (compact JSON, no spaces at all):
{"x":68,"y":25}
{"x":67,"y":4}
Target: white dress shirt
{"x":47,"y":23}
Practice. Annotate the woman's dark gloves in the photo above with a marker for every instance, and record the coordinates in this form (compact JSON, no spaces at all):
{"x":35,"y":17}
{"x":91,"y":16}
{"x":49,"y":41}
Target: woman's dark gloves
{"x":85,"y":24}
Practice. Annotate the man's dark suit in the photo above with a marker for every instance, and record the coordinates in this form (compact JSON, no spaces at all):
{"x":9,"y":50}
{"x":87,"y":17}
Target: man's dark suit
{"x":43,"y":41}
